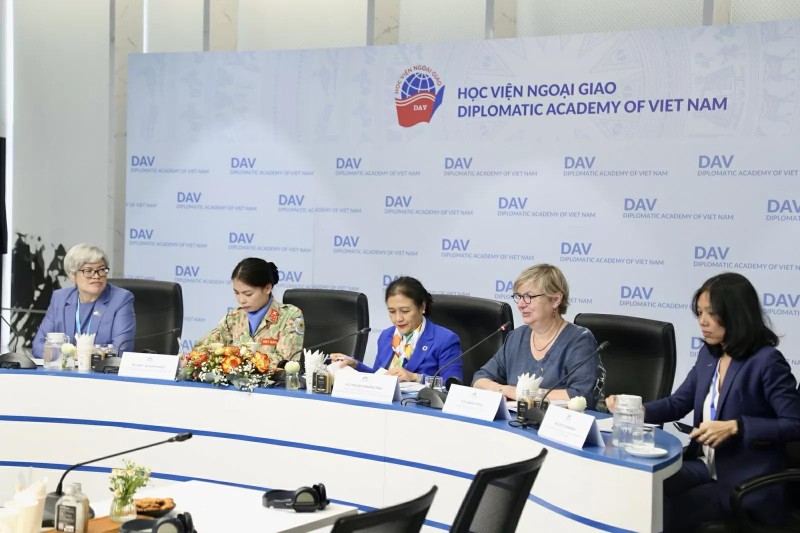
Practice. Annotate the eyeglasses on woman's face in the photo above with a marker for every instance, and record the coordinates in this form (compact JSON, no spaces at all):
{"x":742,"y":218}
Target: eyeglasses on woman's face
{"x":89,"y":273}
{"x":527,"y":298}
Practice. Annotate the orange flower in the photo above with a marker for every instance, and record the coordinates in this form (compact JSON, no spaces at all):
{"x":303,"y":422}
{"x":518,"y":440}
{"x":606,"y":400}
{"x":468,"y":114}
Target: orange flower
{"x":197,"y":358}
{"x":230,"y":351}
{"x":261,"y":362}
{"x":231,"y":363}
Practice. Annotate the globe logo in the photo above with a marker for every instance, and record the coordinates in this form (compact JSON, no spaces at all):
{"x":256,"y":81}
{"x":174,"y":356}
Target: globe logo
{"x":416,"y":95}
{"x":417,"y":83}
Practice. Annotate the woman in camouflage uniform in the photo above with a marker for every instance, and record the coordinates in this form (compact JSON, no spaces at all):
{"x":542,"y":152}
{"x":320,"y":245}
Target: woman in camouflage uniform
{"x":276,"y":328}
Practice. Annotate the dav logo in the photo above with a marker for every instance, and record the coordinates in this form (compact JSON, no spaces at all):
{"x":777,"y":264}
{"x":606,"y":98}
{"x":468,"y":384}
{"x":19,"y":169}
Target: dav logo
{"x":417,"y":95}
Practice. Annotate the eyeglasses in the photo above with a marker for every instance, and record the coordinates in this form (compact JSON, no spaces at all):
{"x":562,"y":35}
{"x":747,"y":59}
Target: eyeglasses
{"x":525,"y":297}
{"x":89,"y":273}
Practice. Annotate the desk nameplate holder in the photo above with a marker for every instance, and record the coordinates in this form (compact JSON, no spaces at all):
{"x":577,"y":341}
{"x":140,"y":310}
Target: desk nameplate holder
{"x":570,"y":428}
{"x":148,"y":365}
{"x":366,"y":387}
{"x":476,"y":403}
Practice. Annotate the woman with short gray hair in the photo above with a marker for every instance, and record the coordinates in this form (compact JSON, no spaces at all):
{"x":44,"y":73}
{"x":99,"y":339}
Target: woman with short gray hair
{"x":91,"y":306}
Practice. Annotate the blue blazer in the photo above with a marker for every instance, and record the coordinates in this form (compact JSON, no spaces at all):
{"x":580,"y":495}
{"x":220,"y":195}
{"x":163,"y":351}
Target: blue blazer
{"x":117,"y":324}
{"x":761,"y":392}
{"x":435,"y":347}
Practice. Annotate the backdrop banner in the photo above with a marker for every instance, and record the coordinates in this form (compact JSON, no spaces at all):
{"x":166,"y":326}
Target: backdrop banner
{"x":641,"y":163}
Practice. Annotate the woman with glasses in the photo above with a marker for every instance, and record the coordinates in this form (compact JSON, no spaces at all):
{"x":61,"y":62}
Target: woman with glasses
{"x":91,"y":306}
{"x":547,"y":345}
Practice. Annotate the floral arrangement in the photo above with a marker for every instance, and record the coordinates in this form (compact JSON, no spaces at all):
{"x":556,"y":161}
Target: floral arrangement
{"x":244,"y":367}
{"x":126,"y":481}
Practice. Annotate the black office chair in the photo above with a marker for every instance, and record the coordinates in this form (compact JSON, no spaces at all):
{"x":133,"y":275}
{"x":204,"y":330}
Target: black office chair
{"x":742,"y":522}
{"x":329,"y":314}
{"x":641,"y":357}
{"x":496,"y":497}
{"x":472,"y":319}
{"x":405,"y":517}
{"x":159,"y":314}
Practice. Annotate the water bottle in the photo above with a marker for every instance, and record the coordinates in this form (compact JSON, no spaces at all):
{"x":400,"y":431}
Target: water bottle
{"x":627,"y":415}
{"x":52,"y":350}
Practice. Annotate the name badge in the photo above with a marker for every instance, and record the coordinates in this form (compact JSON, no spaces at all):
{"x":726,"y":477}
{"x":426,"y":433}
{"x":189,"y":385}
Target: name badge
{"x":375,"y":388}
{"x":269,"y":342}
{"x":476,"y":403}
{"x":148,"y":365}
{"x":570,"y":428}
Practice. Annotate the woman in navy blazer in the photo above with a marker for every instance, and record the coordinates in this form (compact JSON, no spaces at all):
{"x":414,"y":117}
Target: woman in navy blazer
{"x":91,"y":306}
{"x":415,"y":347}
{"x":746,"y":407}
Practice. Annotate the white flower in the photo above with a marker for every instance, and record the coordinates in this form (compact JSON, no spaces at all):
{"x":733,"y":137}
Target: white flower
{"x":292,"y":367}
{"x":578,"y":403}
{"x":68,"y":348}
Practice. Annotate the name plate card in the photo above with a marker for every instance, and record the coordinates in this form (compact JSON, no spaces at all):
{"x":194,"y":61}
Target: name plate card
{"x":149,"y":365}
{"x":570,"y":428}
{"x":366,"y":387}
{"x":476,"y":403}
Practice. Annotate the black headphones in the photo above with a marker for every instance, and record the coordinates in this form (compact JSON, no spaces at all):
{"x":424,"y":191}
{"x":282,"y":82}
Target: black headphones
{"x":181,"y":523}
{"x":302,"y":500}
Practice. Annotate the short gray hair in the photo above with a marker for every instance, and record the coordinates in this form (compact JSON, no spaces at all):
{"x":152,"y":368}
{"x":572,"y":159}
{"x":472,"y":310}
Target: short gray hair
{"x":80,"y":254}
{"x":550,"y":281}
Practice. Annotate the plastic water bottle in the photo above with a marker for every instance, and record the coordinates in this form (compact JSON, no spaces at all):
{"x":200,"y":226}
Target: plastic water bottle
{"x":627,"y":415}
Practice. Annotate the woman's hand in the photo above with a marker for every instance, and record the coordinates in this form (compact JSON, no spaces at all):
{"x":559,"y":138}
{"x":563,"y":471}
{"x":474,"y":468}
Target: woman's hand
{"x":402,"y":374}
{"x":611,"y":402}
{"x":343,"y":360}
{"x":715,"y":432}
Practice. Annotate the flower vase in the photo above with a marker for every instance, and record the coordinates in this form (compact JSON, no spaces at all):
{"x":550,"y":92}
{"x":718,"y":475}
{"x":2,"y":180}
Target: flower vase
{"x":122,"y":510}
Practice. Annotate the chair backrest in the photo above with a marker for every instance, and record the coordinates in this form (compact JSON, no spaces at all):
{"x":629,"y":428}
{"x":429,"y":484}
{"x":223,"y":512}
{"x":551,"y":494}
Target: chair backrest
{"x":472,"y":319}
{"x":496,"y":497}
{"x":159,"y":313}
{"x":640,"y":359}
{"x":329,"y":314}
{"x":405,"y":517}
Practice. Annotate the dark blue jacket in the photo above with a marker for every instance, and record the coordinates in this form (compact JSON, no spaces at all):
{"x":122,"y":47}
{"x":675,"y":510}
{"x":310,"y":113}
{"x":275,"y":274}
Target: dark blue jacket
{"x":761,"y":392}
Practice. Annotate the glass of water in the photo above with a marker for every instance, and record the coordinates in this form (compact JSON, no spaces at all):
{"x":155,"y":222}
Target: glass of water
{"x":643,"y":438}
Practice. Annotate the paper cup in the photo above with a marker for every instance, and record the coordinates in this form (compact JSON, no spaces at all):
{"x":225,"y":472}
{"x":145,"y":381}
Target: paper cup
{"x":9,"y":519}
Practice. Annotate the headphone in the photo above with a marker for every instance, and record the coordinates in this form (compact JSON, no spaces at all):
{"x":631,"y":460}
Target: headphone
{"x":181,"y":523}
{"x":302,"y":500}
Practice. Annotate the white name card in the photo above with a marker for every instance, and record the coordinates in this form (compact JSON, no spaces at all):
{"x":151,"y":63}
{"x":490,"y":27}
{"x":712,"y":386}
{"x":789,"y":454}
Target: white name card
{"x":570,"y":428}
{"x":476,"y":403}
{"x":148,"y":365}
{"x":366,"y":387}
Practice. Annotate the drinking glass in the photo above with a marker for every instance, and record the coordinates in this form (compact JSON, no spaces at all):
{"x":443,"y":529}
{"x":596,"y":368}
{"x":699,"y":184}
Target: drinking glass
{"x":434,"y":382}
{"x":643,"y":438}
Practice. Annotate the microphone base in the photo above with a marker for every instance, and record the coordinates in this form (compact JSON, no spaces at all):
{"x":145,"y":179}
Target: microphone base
{"x":49,"y":516}
{"x":531,"y":418}
{"x":431,"y":398}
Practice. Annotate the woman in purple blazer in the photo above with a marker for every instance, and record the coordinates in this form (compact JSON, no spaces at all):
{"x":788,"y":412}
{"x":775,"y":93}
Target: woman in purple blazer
{"x":746,"y":407}
{"x":91,"y":306}
{"x":415,"y":347}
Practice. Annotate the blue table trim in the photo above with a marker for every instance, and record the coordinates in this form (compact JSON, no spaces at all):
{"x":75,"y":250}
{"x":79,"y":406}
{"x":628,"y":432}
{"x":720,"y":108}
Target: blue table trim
{"x":609,"y":454}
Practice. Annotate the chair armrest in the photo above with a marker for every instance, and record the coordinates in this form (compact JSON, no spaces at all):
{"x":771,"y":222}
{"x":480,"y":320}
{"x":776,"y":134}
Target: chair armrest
{"x":754,"y":484}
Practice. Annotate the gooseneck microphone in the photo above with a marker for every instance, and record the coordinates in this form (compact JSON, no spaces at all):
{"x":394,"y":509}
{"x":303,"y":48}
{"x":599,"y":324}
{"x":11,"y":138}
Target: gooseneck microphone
{"x":52,"y":498}
{"x":362,"y":331}
{"x":534,"y":416}
{"x":434,"y":398}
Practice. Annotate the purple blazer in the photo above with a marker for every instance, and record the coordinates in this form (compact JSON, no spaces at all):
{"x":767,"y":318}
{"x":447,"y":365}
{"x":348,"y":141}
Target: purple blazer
{"x":761,"y":392}
{"x":116,"y":325}
{"x":436,"y":347}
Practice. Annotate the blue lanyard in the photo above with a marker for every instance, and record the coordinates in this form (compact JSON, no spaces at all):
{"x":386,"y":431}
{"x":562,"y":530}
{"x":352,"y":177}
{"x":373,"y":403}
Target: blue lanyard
{"x":713,"y":403}
{"x":78,"y":328}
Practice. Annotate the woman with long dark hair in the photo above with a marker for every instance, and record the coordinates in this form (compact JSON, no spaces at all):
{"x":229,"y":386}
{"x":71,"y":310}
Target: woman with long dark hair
{"x":746,"y":407}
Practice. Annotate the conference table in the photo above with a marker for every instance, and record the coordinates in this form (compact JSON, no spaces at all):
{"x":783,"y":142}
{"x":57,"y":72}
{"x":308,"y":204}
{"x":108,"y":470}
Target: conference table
{"x":368,"y":455}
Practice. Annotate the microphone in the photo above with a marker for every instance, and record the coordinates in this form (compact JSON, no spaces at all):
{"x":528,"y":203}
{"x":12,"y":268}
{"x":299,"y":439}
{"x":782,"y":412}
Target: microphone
{"x":110,"y":365}
{"x":534,"y":416}
{"x":52,"y":498}
{"x":434,"y":398}
{"x":362,"y":331}
{"x":13,"y":359}
{"x":151,"y":335}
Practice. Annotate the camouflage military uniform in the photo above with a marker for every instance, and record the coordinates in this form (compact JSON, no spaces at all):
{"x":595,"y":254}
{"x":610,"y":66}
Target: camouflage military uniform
{"x":279,"y":334}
